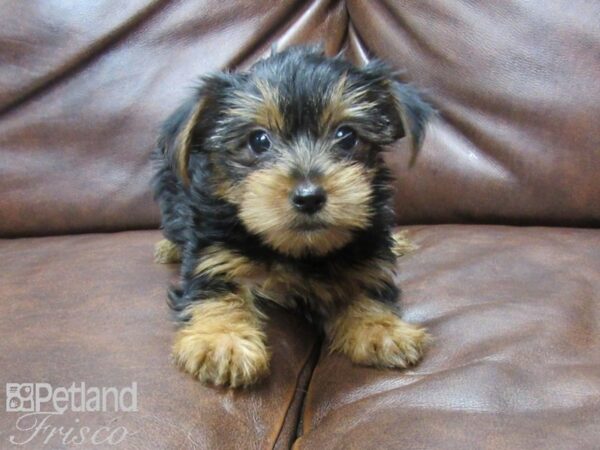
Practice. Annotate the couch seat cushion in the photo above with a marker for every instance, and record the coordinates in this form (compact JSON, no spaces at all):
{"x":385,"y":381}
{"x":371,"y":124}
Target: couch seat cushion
{"x":515,"y":313}
{"x":92,"y":309}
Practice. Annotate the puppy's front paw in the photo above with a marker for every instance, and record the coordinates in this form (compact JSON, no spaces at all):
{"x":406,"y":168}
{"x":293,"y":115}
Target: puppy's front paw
{"x":390,"y":344}
{"x":375,"y":336}
{"x":222,"y":358}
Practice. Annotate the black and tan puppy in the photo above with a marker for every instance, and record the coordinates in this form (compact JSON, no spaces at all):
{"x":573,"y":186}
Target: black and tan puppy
{"x":272,"y":188}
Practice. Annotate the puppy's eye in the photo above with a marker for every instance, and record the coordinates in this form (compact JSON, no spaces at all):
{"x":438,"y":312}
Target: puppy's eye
{"x":346,"y":137}
{"x":259,"y":141}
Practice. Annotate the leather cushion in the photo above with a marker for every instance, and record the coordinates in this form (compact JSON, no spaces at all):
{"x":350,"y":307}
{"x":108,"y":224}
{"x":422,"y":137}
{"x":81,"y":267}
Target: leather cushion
{"x":84,"y":88}
{"x":516,"y":358}
{"x":92,"y":309}
{"x":516,"y":85}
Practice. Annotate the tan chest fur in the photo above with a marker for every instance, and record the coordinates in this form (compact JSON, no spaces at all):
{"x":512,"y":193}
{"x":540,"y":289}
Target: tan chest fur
{"x":282,"y":285}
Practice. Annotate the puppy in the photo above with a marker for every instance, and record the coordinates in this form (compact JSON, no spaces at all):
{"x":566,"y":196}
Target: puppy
{"x":272,"y":188}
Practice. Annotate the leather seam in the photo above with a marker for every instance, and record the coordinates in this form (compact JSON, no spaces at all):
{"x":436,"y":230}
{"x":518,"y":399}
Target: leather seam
{"x":310,"y":360}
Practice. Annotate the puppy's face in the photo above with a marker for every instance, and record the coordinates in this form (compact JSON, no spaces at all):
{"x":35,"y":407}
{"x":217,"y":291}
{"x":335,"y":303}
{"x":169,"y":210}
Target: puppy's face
{"x":294,"y":144}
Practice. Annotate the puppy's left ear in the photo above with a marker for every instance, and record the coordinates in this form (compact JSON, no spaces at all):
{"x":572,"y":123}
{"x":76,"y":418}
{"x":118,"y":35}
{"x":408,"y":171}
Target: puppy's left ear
{"x":177,"y":135}
{"x":407,"y":112}
{"x":182,"y":131}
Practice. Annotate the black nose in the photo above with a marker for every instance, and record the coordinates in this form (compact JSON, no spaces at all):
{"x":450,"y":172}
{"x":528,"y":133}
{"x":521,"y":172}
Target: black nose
{"x":308,"y":198}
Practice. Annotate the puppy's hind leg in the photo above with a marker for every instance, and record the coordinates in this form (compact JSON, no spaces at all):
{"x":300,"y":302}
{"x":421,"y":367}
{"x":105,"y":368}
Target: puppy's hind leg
{"x":166,"y":252}
{"x":401,"y":245}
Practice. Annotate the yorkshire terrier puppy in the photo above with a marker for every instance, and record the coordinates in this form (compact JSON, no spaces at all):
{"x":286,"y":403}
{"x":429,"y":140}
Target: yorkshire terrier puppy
{"x":272,"y":188}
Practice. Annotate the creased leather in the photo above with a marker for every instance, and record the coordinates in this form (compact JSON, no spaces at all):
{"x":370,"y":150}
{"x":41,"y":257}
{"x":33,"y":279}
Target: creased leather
{"x":84,"y":88}
{"x":515,"y":83}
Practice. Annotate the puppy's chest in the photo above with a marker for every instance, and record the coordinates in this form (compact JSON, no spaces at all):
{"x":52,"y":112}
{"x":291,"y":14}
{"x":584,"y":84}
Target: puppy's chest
{"x":321,"y":290}
{"x":287,"y":287}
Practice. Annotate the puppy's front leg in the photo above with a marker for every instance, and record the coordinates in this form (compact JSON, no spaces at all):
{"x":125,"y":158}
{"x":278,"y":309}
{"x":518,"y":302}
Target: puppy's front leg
{"x":371,"y":333}
{"x":223,"y":343}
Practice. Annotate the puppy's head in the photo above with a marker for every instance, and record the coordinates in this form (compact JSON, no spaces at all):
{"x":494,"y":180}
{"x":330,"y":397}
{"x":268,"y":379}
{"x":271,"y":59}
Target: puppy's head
{"x":294,"y":143}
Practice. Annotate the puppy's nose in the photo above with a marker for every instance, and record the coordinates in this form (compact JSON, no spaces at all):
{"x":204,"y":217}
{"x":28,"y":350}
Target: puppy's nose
{"x":308,"y":198}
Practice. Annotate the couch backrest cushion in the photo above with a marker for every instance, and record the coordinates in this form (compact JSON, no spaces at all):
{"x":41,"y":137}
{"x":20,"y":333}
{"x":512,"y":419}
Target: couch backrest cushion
{"x":84,"y":86}
{"x":517,"y":85}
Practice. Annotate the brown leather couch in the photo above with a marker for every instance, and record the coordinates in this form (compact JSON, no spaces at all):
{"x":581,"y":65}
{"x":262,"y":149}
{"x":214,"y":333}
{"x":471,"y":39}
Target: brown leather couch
{"x":502,"y":203}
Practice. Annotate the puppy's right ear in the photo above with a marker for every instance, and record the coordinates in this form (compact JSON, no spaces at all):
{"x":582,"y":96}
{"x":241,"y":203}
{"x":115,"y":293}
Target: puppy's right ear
{"x":406,"y":112}
{"x":182,"y":130}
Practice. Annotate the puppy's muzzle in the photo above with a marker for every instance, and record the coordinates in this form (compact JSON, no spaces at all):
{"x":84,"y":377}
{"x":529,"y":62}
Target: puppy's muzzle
{"x":308,"y":197}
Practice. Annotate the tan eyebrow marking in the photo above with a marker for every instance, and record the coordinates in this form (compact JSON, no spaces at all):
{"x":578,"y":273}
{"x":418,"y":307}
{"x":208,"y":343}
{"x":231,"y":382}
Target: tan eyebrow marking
{"x":262,"y":109}
{"x":344,"y":103}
